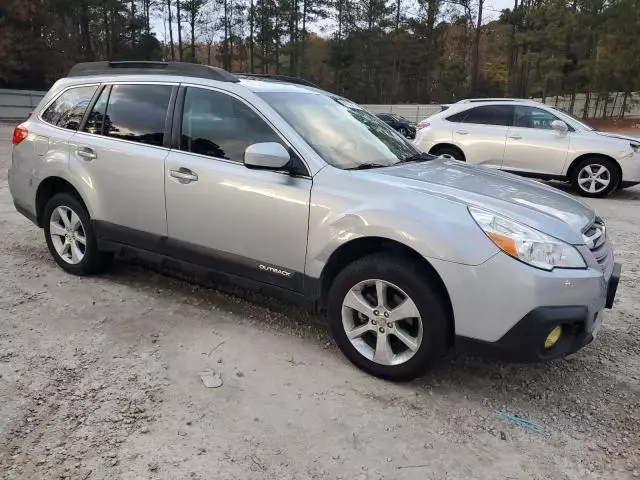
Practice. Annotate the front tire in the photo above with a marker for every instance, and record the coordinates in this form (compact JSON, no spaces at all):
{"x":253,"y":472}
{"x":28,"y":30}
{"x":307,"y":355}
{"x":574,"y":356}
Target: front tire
{"x":595,"y":177}
{"x":70,"y":236}
{"x":388,"y":318}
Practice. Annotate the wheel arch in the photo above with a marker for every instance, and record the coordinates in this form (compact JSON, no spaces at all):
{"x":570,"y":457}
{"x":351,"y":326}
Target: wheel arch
{"x":576,"y":161}
{"x":363,"y":246}
{"x":49,"y":187}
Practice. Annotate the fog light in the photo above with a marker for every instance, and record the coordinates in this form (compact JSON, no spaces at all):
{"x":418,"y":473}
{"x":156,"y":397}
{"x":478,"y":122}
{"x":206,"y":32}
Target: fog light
{"x":553,"y":337}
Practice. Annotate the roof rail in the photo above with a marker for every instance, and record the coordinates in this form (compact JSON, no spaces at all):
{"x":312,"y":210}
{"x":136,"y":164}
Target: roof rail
{"x":279,"y":78}
{"x":477,"y":100}
{"x":151,"y":68}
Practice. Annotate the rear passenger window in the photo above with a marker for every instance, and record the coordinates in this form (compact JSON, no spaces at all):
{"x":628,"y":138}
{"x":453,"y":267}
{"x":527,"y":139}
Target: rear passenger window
{"x":133,"y":112}
{"x":67,"y":110}
{"x":490,"y":115}
{"x":217,"y":125}
{"x":95,"y":120}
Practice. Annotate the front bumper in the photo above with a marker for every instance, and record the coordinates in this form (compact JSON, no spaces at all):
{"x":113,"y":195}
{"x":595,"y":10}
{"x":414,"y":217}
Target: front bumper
{"x":630,"y":167}
{"x":525,"y":340}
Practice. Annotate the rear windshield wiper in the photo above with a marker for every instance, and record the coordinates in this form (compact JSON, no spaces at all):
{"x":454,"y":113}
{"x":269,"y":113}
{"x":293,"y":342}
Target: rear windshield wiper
{"x":367,"y":166}
{"x":418,"y":157}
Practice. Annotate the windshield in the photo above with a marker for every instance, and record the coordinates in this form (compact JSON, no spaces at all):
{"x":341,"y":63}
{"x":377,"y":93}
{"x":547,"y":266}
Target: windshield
{"x":575,"y":119}
{"x":400,"y":118}
{"x":342,"y":133}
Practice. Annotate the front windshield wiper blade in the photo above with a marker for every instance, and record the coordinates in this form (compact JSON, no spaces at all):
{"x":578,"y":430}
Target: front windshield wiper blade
{"x":418,"y":157}
{"x":367,"y":166}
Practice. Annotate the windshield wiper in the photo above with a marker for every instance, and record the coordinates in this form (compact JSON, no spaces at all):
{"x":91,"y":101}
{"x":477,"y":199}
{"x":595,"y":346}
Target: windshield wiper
{"x":418,"y":157}
{"x":367,"y":166}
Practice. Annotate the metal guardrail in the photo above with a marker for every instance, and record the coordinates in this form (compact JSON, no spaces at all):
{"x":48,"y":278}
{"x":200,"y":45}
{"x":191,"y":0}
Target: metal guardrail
{"x":16,"y":104}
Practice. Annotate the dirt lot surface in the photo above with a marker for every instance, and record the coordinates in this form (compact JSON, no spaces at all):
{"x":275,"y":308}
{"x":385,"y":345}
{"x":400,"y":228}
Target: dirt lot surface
{"x":100,"y":379}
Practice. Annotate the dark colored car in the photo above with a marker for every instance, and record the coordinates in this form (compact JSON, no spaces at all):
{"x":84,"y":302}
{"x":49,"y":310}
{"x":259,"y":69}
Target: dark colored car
{"x":406,"y":127}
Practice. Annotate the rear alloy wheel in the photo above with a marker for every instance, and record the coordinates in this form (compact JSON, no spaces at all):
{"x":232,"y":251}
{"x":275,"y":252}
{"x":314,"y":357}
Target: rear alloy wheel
{"x":448,"y":152}
{"x":596,"y":177}
{"x":387,"y":318}
{"x":70,"y":236}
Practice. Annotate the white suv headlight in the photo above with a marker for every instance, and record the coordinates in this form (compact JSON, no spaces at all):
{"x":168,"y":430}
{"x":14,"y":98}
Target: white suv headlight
{"x":527,"y":244}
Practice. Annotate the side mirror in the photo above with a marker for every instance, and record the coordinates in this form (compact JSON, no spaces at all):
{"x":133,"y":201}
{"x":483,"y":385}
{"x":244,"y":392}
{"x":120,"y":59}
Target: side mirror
{"x":266,"y":156}
{"x":559,"y":126}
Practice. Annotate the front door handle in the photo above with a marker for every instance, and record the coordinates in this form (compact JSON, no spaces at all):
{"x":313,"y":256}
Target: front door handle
{"x":184,"y":175}
{"x":515,"y":136}
{"x":462,"y":132}
{"x":86,"y":153}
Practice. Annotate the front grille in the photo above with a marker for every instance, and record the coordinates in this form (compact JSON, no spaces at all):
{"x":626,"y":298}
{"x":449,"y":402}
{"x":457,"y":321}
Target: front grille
{"x":595,"y":237}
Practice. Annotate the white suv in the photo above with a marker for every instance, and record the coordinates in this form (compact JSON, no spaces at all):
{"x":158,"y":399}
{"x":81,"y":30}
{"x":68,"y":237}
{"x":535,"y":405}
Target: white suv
{"x":535,"y":140}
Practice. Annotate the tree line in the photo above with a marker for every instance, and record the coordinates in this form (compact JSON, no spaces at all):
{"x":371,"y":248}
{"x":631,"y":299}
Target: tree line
{"x":371,"y":51}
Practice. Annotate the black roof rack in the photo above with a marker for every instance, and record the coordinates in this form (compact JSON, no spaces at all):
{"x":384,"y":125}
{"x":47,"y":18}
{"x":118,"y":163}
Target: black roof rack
{"x":279,"y":78}
{"x":147,"y":68}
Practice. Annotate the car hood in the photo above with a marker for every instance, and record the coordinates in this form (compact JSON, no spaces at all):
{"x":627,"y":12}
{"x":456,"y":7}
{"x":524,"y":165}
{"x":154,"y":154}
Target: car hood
{"x":537,"y":205}
{"x":617,"y":136}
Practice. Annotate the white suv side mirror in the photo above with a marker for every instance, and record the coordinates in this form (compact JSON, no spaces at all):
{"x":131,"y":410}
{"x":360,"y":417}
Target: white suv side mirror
{"x":560,"y":127}
{"x":267,"y":156}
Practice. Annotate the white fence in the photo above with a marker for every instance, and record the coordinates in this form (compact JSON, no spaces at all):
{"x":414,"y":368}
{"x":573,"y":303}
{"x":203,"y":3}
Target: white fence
{"x":16,"y":104}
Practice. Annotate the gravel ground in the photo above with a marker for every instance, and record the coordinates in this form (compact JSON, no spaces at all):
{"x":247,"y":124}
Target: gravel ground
{"x":99,"y":379}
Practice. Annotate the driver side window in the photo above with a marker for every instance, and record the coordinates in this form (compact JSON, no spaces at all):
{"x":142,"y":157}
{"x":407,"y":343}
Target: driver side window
{"x":217,"y":125}
{"x":532,"y":117}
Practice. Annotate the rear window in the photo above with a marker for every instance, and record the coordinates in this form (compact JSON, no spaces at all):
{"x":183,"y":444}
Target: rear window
{"x":67,"y":110}
{"x":131,"y":112}
{"x":485,"y":115}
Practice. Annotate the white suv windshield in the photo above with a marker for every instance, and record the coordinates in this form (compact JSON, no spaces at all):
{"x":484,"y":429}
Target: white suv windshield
{"x":342,"y":133}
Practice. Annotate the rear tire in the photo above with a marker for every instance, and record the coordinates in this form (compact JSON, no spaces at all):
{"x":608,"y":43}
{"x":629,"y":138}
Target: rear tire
{"x":451,"y":151}
{"x":412,"y":340}
{"x":595,"y":177}
{"x":70,"y":236}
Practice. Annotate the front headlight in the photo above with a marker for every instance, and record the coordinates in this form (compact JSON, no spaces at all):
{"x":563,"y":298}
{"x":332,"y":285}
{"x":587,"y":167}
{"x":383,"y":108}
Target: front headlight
{"x":527,"y":244}
{"x":635,"y":147}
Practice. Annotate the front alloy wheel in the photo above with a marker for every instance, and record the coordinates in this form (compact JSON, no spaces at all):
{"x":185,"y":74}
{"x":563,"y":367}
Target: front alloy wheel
{"x":389,"y":316}
{"x":595,"y":177}
{"x":382,"y":322}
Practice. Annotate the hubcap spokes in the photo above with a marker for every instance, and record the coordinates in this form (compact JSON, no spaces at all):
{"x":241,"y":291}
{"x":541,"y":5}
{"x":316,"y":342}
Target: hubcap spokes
{"x":594,"y":178}
{"x":382,"y":322}
{"x":68,"y":235}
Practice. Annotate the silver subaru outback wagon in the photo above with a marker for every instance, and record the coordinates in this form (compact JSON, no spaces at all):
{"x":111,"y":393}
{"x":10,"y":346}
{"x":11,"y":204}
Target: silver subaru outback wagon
{"x":276,"y":185}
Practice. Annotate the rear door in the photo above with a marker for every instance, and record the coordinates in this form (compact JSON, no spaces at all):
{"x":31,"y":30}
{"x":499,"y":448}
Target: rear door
{"x":481,"y":133}
{"x":532,"y":145}
{"x":119,"y":155}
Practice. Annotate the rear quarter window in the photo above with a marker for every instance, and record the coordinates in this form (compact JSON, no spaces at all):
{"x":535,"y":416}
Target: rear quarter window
{"x":67,"y":110}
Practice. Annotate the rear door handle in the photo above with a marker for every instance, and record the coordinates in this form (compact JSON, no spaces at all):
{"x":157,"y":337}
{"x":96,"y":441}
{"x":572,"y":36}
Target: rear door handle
{"x":515,"y":136}
{"x":86,"y":153}
{"x":184,"y":174}
{"x":462,"y":132}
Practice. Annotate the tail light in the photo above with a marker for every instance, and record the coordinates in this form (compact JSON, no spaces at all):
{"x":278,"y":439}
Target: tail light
{"x":19,"y":134}
{"x":422,"y":124}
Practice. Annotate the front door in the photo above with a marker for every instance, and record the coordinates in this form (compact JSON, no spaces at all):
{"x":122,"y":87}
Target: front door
{"x":532,"y":145}
{"x":223,"y":215}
